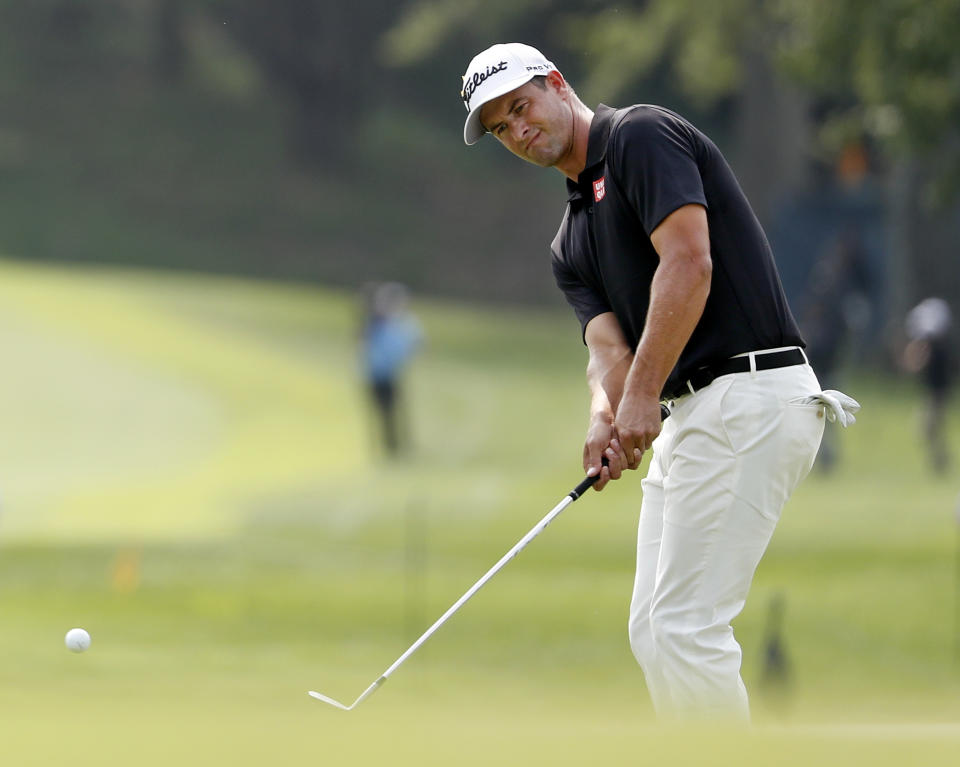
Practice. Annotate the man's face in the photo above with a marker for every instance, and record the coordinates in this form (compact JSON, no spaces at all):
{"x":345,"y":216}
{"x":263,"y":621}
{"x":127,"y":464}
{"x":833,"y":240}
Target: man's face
{"x":533,"y":122}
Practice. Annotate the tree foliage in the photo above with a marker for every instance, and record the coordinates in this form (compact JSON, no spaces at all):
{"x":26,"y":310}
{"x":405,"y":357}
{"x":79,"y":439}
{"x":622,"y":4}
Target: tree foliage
{"x":888,"y":69}
{"x":321,"y":56}
{"x":884,"y":70}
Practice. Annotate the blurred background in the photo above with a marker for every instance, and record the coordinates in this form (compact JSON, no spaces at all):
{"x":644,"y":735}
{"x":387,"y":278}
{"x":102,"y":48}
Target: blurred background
{"x":209,"y":210}
{"x":309,"y":140}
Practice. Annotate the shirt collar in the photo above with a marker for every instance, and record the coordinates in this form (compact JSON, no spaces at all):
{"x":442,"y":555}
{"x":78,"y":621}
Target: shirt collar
{"x":596,"y":147}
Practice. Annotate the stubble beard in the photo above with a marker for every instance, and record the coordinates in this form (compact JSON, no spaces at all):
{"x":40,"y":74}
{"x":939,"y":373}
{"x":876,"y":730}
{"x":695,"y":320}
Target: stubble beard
{"x":548,"y":151}
{"x":542,"y":153}
{"x":551,"y":149}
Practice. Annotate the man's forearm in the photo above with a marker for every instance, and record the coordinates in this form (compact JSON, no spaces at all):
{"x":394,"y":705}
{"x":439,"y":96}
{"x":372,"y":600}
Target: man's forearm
{"x":606,"y":375}
{"x":678,"y":295}
{"x":610,"y":359}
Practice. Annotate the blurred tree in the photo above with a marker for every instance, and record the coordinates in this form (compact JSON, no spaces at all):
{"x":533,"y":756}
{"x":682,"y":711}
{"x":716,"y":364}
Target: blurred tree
{"x":885,"y":70}
{"x":709,"y":61}
{"x":700,"y":44}
{"x":171,"y":43}
{"x":52,"y":37}
{"x":180,"y":110}
{"x":322,"y":56}
{"x":104,"y":40}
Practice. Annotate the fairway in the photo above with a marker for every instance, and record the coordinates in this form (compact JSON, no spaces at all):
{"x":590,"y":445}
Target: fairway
{"x":188,"y":471}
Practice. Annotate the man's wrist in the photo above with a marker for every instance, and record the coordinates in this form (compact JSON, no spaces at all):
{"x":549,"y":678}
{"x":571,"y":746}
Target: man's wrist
{"x":641,"y":383}
{"x":643,"y":390}
{"x":602,"y":417}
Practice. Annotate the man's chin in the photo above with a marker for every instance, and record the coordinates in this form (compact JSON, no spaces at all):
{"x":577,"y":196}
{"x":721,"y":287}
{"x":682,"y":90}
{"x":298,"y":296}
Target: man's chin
{"x":541,"y":159}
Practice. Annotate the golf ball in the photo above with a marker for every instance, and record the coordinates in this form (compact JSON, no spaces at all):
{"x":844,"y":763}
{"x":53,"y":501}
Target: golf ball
{"x":77,"y":640}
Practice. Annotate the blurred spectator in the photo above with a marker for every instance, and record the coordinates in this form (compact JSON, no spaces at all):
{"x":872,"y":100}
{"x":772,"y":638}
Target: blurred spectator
{"x":929,"y":354}
{"x":776,"y":678}
{"x":835,"y":308}
{"x":390,"y":336}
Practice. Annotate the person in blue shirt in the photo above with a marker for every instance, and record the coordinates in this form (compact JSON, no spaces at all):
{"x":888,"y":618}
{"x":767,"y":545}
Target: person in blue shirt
{"x":391,"y":336}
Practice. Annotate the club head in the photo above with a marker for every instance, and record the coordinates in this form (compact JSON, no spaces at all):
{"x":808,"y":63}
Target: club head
{"x":331,"y":701}
{"x":366,"y":694}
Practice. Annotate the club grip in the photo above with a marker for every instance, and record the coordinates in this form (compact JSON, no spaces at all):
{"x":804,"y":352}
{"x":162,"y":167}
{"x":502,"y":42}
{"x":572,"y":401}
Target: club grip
{"x":586,"y":483}
{"x":589,"y":482}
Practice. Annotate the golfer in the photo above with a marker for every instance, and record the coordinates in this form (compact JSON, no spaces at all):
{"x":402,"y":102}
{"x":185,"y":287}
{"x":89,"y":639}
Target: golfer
{"x":679,"y":300}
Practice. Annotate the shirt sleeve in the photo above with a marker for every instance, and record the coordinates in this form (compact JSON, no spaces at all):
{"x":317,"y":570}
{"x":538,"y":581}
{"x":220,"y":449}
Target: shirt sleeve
{"x":654,"y":155}
{"x":586,"y":302}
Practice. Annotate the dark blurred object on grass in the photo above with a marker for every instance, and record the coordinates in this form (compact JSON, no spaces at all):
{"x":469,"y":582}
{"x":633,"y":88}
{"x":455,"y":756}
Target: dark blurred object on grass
{"x":929,"y":354}
{"x":776,"y":687}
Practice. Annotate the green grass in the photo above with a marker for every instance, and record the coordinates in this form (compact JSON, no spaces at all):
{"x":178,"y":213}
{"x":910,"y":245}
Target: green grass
{"x":187,"y":470}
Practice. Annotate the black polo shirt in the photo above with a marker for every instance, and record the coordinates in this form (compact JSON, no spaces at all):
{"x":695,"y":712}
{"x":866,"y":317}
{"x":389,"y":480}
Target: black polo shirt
{"x":644,"y":162}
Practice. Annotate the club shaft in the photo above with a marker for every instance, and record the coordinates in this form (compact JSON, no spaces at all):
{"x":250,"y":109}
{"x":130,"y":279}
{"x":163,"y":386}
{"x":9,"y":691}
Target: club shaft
{"x":579,"y":490}
{"x":573,"y":495}
{"x":520,"y":545}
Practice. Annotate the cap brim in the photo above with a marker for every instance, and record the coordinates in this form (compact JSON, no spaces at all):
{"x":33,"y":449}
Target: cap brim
{"x":473,"y":129}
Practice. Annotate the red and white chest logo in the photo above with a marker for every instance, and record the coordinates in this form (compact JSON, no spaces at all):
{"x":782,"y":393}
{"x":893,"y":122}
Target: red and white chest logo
{"x":599,"y":192}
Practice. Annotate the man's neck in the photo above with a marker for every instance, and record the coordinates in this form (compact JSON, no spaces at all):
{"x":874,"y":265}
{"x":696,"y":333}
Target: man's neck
{"x":574,"y":163}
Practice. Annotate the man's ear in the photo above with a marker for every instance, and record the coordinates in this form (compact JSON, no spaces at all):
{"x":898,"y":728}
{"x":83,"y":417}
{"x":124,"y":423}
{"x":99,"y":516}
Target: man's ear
{"x":555,"y":80}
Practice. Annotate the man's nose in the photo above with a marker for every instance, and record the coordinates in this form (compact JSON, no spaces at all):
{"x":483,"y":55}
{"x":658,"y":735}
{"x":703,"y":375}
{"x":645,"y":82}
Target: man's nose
{"x":518,"y":129}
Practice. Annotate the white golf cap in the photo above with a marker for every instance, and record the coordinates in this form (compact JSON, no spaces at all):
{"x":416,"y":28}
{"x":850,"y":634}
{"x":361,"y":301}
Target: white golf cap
{"x":497,"y":70}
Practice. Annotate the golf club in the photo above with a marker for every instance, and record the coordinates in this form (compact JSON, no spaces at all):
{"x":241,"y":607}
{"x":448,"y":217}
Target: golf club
{"x":573,"y":495}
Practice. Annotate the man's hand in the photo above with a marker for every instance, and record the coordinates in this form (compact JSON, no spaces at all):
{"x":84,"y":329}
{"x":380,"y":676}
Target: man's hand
{"x":602,"y":443}
{"x":637,"y":424}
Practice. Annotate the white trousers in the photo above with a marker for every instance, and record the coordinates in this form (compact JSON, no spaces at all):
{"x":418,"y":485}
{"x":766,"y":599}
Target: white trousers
{"x":724,"y":465}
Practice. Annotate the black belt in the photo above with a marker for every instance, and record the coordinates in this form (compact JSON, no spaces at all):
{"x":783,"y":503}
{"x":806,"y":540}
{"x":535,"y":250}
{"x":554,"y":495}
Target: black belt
{"x":705,"y":375}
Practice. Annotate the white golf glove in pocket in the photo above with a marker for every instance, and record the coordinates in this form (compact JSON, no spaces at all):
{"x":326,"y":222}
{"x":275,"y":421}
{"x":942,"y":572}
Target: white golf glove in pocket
{"x":837,"y":406}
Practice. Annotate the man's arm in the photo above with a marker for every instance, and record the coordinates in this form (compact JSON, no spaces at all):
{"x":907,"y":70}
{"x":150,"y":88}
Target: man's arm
{"x":607,"y":369}
{"x":678,"y":294}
